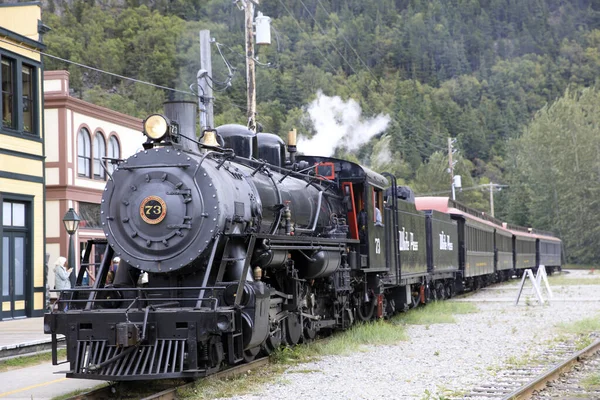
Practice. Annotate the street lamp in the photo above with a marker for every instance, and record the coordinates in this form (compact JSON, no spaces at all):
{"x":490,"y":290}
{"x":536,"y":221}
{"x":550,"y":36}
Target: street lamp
{"x":71,"y":221}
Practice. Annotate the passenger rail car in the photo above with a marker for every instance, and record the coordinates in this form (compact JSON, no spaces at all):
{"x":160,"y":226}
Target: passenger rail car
{"x":230,"y":248}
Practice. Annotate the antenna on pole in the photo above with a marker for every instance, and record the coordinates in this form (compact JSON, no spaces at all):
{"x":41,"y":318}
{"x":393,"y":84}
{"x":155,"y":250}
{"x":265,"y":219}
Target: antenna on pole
{"x":205,"y":92}
{"x":456,"y":181}
{"x":263,"y":36}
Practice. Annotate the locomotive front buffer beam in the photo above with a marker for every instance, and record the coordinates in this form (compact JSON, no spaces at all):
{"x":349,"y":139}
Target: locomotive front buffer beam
{"x":160,"y":344}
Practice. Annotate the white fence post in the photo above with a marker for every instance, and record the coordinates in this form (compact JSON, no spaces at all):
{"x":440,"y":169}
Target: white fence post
{"x":529,"y":274}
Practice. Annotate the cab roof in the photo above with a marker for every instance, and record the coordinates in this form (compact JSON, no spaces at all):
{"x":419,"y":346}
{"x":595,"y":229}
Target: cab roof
{"x":349,"y":171}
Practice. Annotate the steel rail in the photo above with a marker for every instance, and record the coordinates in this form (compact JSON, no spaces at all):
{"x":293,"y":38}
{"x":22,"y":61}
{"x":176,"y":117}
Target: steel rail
{"x":527,"y":391}
{"x":107,"y":392}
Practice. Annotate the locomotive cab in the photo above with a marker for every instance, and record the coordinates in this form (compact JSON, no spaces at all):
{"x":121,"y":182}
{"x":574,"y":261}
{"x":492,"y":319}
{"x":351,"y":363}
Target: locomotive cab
{"x":363,"y":198}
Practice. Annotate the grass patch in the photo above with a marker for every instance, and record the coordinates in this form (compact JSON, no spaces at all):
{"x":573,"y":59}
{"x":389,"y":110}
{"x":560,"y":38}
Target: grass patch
{"x":347,"y":342}
{"x":127,"y":390}
{"x":520,"y":362}
{"x":565,"y":280}
{"x":212,"y":388}
{"x":439,"y":312}
{"x":576,"y":266}
{"x":591,"y":382}
{"x":354,"y":339}
{"x":28,"y":361}
{"x":306,"y":371}
{"x":582,"y":327}
{"x":445,"y":394}
{"x":77,"y":392}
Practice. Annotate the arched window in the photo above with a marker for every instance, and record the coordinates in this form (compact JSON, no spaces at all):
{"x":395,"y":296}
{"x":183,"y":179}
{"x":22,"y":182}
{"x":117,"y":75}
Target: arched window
{"x":84,"y":167}
{"x":99,"y":153}
{"x":114,"y":151}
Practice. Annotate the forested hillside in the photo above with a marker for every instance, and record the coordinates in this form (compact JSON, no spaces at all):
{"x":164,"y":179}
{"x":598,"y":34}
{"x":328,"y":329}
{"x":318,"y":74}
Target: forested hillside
{"x":485,"y":72}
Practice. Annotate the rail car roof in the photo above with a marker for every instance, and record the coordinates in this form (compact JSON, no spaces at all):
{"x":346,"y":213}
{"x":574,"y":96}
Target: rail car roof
{"x":347,"y":170}
{"x":532,"y":234}
{"x":448,"y":206}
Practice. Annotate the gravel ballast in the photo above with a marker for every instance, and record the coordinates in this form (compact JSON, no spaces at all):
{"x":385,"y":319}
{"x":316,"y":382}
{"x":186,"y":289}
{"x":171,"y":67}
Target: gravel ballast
{"x":444,"y":359}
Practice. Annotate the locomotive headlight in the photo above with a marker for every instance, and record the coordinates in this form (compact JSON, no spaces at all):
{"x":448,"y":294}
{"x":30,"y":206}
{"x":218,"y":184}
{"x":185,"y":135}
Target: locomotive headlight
{"x":156,"y":126}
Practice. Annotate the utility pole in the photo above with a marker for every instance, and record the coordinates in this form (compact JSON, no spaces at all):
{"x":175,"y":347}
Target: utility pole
{"x":491,"y":198}
{"x":451,"y":167}
{"x":250,"y":69}
{"x":492,"y":186}
{"x":205,"y":95}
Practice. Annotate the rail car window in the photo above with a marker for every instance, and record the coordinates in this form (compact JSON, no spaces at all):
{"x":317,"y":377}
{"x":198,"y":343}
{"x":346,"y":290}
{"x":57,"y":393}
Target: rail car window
{"x":478,"y":240}
{"x":378,"y":207}
{"x":114,"y":151}
{"x":549,"y":248}
{"x":99,"y":153}
{"x":525,"y":247}
{"x":503,"y":243}
{"x":84,"y":167}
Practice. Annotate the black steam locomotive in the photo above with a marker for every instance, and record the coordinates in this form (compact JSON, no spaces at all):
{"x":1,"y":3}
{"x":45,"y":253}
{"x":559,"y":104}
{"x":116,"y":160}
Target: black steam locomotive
{"x":242,"y":249}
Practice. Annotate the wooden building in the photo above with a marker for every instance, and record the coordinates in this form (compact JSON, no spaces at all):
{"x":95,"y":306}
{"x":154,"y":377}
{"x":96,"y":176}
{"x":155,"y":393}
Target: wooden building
{"x":22,"y":278}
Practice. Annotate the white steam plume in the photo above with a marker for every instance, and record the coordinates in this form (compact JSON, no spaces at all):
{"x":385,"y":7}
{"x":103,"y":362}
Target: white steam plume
{"x":338,"y":123}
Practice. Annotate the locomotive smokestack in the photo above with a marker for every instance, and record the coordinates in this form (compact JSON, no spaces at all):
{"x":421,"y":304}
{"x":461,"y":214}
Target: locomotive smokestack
{"x":185,"y":114}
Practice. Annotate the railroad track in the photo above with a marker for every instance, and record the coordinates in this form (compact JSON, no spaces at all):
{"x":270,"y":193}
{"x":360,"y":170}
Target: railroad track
{"x":522,"y":383}
{"x":580,"y":358}
{"x":170,"y":393}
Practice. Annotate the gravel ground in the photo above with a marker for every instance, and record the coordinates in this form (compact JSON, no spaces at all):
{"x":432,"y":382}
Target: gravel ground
{"x":442,"y":358}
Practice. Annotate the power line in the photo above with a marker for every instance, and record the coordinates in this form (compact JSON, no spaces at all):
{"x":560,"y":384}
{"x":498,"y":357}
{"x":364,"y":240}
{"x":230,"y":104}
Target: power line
{"x":190,"y":93}
{"x":326,"y":37}
{"x":348,"y":43}
{"x":268,"y":65}
{"x":303,"y":31}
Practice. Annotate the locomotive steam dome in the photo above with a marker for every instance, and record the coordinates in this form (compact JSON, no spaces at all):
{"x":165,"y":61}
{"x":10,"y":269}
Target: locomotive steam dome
{"x":154,"y":214}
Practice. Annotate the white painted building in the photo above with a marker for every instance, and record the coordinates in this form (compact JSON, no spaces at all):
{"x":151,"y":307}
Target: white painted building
{"x":78,"y":136}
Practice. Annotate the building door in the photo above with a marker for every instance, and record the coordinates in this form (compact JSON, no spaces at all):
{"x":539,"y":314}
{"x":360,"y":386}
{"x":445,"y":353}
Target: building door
{"x":13,"y":274}
{"x":15,"y":258}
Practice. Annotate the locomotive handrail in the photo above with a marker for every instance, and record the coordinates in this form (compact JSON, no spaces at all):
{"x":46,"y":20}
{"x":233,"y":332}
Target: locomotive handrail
{"x":317,"y":215}
{"x":91,"y":300}
{"x":106,"y":168}
{"x":313,"y":247}
{"x":208,"y":271}
{"x":396,"y":226}
{"x":178,"y":165}
{"x":276,"y":223}
{"x":143,"y":289}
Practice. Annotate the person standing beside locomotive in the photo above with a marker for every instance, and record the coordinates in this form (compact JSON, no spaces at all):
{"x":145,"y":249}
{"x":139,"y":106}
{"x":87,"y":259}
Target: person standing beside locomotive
{"x":115,"y":264}
{"x":62,"y":271}
{"x":62,"y":278}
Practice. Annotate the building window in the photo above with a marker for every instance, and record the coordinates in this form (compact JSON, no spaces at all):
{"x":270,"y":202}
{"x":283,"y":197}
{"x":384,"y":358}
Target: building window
{"x":13,"y":214}
{"x":8,"y":93}
{"x":90,"y":215}
{"x":84,"y":153}
{"x":18,"y":103}
{"x":114,"y":152}
{"x":28,"y":105}
{"x":99,"y":153}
